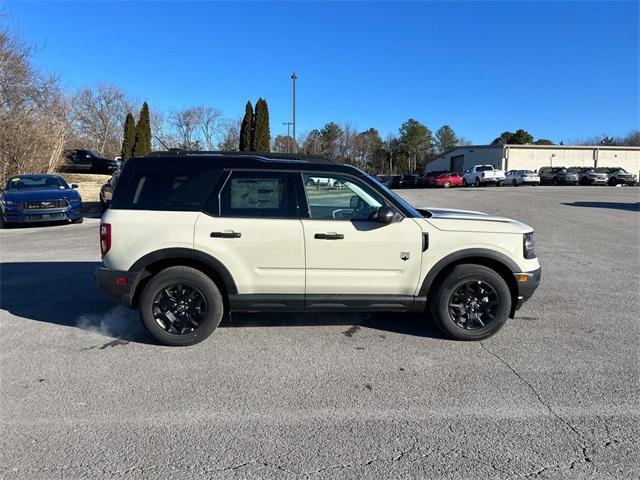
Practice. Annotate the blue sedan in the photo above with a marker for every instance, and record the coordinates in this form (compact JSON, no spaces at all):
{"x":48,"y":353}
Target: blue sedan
{"x":39,"y":198}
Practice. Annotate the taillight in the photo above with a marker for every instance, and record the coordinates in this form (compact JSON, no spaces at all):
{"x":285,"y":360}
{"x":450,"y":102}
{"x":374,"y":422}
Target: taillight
{"x":105,"y":238}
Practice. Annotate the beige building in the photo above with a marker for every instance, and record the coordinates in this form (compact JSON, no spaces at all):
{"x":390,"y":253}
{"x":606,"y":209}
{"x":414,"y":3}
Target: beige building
{"x":532,"y":157}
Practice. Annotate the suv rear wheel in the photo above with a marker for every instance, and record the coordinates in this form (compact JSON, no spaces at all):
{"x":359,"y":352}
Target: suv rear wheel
{"x":181,"y":306}
{"x":471,"y":303}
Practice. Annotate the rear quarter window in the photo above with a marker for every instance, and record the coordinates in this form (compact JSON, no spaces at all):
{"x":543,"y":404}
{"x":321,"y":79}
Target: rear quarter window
{"x":165,"y":187}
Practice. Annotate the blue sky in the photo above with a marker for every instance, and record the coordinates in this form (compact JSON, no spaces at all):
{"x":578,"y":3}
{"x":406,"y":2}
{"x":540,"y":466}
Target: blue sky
{"x":563,"y":71}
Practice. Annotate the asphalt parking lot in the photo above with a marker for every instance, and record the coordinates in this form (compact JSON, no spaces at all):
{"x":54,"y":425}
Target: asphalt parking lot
{"x":86,"y":394}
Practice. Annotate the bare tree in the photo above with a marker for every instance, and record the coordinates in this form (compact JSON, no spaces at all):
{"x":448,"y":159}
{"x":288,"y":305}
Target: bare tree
{"x":98,"y":115}
{"x":210,"y":123}
{"x":230,"y":139}
{"x":186,"y":122}
{"x":33,"y":112}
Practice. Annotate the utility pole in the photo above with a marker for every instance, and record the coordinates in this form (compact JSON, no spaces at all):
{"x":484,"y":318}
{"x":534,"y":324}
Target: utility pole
{"x":288,"y":124}
{"x":293,"y":79}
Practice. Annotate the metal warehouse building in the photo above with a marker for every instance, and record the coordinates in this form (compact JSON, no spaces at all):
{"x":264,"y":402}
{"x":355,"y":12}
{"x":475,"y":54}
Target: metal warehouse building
{"x":532,"y":157}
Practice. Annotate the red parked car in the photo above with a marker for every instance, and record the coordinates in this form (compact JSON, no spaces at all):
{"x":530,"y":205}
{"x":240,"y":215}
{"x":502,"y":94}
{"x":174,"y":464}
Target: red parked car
{"x":443,"y":179}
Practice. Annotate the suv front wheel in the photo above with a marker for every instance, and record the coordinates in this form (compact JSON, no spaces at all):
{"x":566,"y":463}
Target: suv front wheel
{"x":181,"y":306}
{"x":471,"y":303}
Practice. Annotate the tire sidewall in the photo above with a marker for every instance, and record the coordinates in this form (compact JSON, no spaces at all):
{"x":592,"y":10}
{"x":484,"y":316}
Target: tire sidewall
{"x":459,"y":275}
{"x":190,"y":277}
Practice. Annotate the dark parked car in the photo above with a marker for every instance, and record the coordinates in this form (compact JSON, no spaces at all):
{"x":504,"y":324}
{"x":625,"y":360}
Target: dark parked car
{"x":86,"y":161}
{"x":409,"y":181}
{"x":618,"y":175}
{"x":558,"y":176}
{"x":392,"y":181}
{"x":39,"y":198}
{"x":106,"y":191}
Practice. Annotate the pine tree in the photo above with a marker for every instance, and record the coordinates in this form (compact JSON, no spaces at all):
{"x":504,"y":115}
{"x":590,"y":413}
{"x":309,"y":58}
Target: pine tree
{"x":143,"y":133}
{"x":246,"y":129}
{"x":262,"y":134}
{"x":128,"y":137}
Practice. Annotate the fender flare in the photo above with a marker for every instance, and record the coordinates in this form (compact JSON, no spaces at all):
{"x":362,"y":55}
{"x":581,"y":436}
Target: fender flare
{"x":455,"y":257}
{"x":177,"y":253}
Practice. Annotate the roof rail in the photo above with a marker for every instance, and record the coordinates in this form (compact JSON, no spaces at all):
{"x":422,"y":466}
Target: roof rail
{"x":268,"y":156}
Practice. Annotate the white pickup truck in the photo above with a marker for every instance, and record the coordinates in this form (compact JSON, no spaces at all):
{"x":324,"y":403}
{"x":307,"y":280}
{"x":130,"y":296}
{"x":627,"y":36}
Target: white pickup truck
{"x":483,"y":174}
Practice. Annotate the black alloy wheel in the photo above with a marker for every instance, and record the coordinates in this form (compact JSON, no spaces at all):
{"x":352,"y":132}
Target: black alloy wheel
{"x":473,"y":305}
{"x":179,"y":308}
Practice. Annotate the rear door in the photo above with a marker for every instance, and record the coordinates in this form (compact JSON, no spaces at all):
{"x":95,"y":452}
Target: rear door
{"x":348,"y":252}
{"x":252,"y":227}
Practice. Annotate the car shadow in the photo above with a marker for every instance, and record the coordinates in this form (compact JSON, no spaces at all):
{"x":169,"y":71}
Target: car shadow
{"x":631,"y":207}
{"x":64,"y":293}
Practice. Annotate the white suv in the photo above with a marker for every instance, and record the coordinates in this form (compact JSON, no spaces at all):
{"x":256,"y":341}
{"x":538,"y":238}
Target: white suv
{"x":190,"y":237}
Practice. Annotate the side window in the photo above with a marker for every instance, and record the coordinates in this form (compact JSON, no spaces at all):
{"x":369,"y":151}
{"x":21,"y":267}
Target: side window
{"x":340,"y":198}
{"x":258,"y":194}
{"x":176,"y":189}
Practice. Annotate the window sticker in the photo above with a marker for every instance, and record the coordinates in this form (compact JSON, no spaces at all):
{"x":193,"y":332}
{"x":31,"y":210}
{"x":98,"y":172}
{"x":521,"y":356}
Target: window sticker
{"x":256,"y":193}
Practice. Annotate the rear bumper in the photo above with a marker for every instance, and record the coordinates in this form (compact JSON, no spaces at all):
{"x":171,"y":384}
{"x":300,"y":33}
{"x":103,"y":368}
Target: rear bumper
{"x":527,"y":284}
{"x":118,"y":284}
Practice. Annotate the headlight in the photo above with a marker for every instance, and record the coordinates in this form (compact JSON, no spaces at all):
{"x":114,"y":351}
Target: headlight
{"x":9,"y":203}
{"x":527,"y":245}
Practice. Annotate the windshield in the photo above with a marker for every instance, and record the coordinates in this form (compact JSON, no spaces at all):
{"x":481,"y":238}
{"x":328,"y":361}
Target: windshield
{"x":390,"y":193}
{"x":34,"y":183}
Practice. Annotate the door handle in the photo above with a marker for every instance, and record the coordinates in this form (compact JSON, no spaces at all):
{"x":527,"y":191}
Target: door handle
{"x":225,"y":235}
{"x":329,"y":236}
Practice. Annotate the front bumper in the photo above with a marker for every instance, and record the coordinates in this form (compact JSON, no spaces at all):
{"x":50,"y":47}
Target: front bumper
{"x":118,"y":284}
{"x":70,"y":213}
{"x":527,"y":284}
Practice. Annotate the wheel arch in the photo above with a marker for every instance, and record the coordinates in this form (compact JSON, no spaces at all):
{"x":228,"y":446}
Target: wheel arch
{"x":154,"y":262}
{"x":497,"y":261}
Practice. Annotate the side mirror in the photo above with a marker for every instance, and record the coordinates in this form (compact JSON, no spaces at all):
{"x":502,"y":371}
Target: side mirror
{"x":74,"y":185}
{"x":353,"y":203}
{"x":385,"y":215}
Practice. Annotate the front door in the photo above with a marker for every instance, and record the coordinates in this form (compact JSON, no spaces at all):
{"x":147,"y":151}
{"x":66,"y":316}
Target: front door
{"x":253,"y":228}
{"x":348,"y":252}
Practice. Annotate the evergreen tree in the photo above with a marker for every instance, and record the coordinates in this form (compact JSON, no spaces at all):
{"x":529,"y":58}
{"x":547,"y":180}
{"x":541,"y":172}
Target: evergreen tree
{"x":446,"y":138}
{"x":416,"y":141}
{"x":129,"y":137}
{"x":261,"y":133}
{"x":143,"y":133}
{"x":246,"y":129}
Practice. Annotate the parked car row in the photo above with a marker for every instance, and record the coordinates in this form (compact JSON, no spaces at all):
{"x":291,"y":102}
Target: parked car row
{"x":586,"y":176}
{"x":481,"y":175}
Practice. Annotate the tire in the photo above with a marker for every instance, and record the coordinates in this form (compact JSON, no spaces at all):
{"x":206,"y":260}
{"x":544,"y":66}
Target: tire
{"x":613,"y":182}
{"x":446,"y":294}
{"x":446,"y":184}
{"x":464,"y":183}
{"x":78,"y":220}
{"x":190,"y":278}
{"x":477,"y":182}
{"x":514,"y":182}
{"x":498,"y":184}
{"x":555,"y":181}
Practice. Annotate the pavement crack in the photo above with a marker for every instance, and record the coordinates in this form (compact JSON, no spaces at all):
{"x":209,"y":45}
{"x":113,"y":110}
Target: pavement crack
{"x":533,"y":390}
